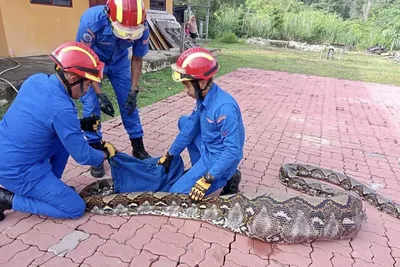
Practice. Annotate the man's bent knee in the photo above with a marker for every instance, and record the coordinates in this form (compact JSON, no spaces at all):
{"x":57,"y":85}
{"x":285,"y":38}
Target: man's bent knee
{"x":77,"y":210}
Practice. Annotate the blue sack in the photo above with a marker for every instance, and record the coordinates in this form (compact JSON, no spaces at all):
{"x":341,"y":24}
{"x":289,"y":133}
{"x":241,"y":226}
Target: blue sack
{"x":134,"y":175}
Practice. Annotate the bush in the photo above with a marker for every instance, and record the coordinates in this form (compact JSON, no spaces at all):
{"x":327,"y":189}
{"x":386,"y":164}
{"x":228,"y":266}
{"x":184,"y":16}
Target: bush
{"x":228,"y":38}
{"x":291,"y":20}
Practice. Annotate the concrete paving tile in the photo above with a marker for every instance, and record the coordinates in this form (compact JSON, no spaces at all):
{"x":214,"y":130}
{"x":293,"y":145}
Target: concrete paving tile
{"x":125,"y":252}
{"x":77,"y":222}
{"x":93,"y":227}
{"x":382,"y":254}
{"x":261,"y":249}
{"x":12,"y":219}
{"x":339,"y":260}
{"x":320,"y":257}
{"x":173,"y":224}
{"x":68,"y":243}
{"x":10,"y":250}
{"x":212,"y":234}
{"x":287,"y":258}
{"x":145,"y":259}
{"x":301,"y":249}
{"x":361,"y":263}
{"x":100,"y":260}
{"x":155,"y":221}
{"x":24,"y":258}
{"x":164,"y":262}
{"x":142,"y":236}
{"x":244,"y":259}
{"x":55,"y":229}
{"x":36,"y":238}
{"x":158,"y":247}
{"x":242,"y":243}
{"x":334,"y":247}
{"x":60,"y":261}
{"x":4,"y":240}
{"x":85,"y":249}
{"x":42,"y":259}
{"x":23,"y":226}
{"x":113,"y":221}
{"x":127,"y":231}
{"x":190,"y":228}
{"x":215,"y":256}
{"x":178,"y":239}
{"x":195,"y":252}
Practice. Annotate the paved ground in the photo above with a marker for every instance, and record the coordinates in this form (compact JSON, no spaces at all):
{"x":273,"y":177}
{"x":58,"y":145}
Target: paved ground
{"x":350,"y":126}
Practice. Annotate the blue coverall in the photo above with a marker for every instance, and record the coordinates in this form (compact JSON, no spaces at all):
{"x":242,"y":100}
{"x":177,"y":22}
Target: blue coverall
{"x":37,"y":134}
{"x":95,"y":31}
{"x":214,"y":136}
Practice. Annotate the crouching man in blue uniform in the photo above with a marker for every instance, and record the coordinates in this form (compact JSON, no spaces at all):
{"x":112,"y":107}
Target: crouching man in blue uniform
{"x":213,"y":134}
{"x":41,"y":130}
{"x":110,"y":30}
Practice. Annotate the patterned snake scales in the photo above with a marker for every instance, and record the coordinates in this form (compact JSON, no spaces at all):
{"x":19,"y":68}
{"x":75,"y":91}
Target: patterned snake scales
{"x":272,"y":216}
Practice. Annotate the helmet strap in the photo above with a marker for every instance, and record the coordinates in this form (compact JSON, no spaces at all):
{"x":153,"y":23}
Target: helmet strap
{"x":199,"y":91}
{"x":67,"y":84}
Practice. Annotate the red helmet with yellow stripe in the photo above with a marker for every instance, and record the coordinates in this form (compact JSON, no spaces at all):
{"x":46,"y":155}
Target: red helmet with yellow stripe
{"x":79,"y":59}
{"x":195,"y":64}
{"x":127,"y":18}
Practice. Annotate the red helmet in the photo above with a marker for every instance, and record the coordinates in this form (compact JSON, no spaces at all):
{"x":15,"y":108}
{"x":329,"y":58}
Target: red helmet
{"x":195,"y":64}
{"x":127,"y":18}
{"x":79,"y":59}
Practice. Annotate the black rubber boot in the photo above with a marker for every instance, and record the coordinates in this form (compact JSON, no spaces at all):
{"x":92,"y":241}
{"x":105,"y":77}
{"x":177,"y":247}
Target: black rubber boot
{"x":138,"y":150}
{"x":97,"y":171}
{"x":6,"y":198}
{"x":232,"y":187}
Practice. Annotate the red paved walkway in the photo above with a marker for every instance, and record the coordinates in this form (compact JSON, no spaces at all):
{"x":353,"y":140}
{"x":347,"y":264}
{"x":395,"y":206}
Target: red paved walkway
{"x":351,"y":126}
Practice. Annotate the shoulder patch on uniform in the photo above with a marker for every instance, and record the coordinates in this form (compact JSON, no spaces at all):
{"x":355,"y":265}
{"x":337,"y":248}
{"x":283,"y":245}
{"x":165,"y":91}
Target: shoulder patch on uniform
{"x":221,"y":118}
{"x":145,"y":41}
{"x":210,"y":120}
{"x":87,"y":37}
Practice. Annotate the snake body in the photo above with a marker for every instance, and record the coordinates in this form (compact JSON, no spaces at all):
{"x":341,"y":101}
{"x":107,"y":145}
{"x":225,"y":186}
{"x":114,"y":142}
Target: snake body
{"x":272,"y":216}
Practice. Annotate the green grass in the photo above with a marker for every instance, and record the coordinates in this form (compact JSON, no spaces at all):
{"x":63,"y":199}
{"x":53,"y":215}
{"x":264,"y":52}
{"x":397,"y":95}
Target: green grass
{"x":353,"y":66}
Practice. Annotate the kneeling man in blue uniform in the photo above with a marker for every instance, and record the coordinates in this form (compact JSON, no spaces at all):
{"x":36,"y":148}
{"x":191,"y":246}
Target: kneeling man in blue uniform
{"x":41,"y":130}
{"x":213,"y":133}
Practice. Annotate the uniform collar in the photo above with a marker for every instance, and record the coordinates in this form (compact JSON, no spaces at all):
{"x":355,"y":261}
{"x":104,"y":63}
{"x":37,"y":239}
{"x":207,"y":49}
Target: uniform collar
{"x":108,"y":29}
{"x":210,"y":95}
{"x":57,"y":81}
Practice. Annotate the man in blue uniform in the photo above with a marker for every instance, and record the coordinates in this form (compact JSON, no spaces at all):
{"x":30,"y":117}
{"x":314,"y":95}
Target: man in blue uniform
{"x":213,"y":134}
{"x":41,"y":130}
{"x":110,"y":30}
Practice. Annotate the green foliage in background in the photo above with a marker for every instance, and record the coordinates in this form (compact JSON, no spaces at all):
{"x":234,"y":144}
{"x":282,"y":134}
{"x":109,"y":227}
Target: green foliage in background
{"x":357,"y":23}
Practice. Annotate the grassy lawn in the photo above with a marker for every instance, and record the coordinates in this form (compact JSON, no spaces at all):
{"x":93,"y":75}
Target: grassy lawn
{"x":353,"y":66}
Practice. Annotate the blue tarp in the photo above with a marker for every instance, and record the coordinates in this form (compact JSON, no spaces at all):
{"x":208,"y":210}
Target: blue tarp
{"x":134,"y":175}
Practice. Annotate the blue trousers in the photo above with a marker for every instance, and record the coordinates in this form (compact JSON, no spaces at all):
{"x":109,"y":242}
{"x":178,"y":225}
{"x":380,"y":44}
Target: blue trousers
{"x":120,"y":78}
{"x":200,"y":166}
{"x":48,"y":195}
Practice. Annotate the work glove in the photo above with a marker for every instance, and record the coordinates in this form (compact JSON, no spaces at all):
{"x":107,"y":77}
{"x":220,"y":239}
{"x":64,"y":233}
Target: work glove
{"x":131,"y":102}
{"x":199,"y":190}
{"x":166,"y":162}
{"x":90,"y":124}
{"x":109,"y":149}
{"x":105,"y":104}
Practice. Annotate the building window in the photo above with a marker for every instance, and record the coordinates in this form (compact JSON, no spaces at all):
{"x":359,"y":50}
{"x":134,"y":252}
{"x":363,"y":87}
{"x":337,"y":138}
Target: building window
{"x":157,"y":5}
{"x":67,"y":3}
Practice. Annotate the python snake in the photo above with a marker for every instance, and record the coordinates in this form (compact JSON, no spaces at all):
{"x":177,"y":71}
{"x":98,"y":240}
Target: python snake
{"x":272,"y":216}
